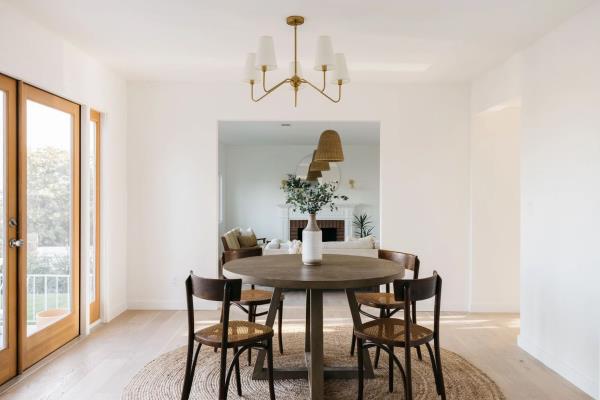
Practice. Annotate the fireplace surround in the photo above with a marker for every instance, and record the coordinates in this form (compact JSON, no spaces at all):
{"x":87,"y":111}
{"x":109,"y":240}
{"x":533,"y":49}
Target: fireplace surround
{"x":340,"y":220}
{"x":333,"y":229}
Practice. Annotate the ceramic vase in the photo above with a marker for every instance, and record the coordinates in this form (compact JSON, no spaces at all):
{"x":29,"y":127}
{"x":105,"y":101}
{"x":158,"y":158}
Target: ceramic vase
{"x":312,"y":238}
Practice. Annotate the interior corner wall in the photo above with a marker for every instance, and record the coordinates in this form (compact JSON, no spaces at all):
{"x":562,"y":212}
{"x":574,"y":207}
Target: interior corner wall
{"x":495,"y":211}
{"x":560,"y":195}
{"x":40,"y":57}
{"x":172,"y":169}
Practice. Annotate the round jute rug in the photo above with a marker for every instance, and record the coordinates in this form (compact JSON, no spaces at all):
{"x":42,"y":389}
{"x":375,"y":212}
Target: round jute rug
{"x":162,"y":378}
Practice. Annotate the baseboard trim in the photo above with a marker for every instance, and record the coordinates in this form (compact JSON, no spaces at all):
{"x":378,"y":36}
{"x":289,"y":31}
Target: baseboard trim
{"x":495,"y":308}
{"x":169,"y":305}
{"x":116,"y":311}
{"x":577,"y":377}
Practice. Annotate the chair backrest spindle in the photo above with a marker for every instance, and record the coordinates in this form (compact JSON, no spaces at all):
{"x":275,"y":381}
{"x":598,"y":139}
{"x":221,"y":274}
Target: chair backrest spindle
{"x":407,"y":260}
{"x":224,"y":290}
{"x":410,"y":291}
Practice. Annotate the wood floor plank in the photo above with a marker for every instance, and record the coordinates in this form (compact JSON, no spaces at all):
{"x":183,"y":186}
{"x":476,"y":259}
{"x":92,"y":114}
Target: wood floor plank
{"x":99,"y":366}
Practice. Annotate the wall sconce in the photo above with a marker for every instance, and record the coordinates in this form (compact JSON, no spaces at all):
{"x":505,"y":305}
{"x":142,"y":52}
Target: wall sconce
{"x":351,"y":182}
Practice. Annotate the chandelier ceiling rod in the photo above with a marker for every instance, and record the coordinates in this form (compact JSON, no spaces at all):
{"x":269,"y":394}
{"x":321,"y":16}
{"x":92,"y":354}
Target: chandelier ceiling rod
{"x":326,"y":61}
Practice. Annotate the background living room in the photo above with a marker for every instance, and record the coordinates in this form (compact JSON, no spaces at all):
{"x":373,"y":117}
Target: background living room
{"x":255,"y":157}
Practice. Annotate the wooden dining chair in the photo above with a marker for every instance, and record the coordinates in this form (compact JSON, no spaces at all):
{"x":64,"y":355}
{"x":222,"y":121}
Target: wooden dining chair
{"x":386,"y":301}
{"x":388,"y":333}
{"x":249,"y":302}
{"x":237,"y":335}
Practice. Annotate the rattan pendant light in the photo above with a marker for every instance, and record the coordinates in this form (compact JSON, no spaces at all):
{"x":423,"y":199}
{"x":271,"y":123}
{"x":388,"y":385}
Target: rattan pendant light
{"x":312,"y":176}
{"x":318,"y":165}
{"x":329,"y":148}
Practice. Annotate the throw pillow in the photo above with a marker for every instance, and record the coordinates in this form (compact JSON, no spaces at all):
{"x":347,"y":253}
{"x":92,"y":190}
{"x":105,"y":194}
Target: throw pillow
{"x":273,"y":244}
{"x":247,"y":238}
{"x":231,"y":238}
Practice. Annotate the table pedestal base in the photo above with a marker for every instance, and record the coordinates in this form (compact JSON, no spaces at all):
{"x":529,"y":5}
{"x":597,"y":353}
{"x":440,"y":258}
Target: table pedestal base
{"x":315,"y":372}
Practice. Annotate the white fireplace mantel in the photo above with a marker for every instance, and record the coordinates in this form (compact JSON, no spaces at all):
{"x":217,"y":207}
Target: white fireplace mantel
{"x":344,"y":212}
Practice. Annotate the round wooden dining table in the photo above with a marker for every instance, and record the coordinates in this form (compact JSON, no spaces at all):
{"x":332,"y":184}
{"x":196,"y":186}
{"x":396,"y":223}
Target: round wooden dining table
{"x":336,"y":272}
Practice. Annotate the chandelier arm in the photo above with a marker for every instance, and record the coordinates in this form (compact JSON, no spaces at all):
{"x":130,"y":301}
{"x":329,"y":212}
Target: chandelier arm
{"x":324,"y":80}
{"x":323,"y":93}
{"x":268,"y":92}
{"x":274,"y":87}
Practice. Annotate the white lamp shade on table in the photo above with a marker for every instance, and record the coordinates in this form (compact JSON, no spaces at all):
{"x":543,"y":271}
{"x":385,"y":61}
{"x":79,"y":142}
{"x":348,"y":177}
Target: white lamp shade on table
{"x":250,"y":72}
{"x":324,"y":54}
{"x":265,"y":57}
{"x":340,"y":73}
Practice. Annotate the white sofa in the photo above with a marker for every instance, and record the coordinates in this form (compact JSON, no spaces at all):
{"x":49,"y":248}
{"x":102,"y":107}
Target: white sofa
{"x":350,"y":252}
{"x":366,"y":247}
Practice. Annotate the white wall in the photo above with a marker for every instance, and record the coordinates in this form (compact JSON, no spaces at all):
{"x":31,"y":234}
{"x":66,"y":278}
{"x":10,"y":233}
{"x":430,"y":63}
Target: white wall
{"x":560,"y":218}
{"x":495,"y":210}
{"x":172,"y":175}
{"x":33,"y":54}
{"x":253,"y":180}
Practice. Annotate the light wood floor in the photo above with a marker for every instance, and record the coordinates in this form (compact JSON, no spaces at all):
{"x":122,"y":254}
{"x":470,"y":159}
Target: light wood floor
{"x":99,"y":366}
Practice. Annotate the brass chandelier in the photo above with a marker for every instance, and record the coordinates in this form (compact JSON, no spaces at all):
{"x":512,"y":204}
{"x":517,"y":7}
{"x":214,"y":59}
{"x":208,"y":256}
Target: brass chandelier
{"x":257,"y":65}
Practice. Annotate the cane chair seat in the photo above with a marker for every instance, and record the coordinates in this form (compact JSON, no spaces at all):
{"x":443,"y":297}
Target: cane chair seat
{"x":256,"y":297}
{"x":239,"y":333}
{"x":379,"y":300}
{"x":390,"y":331}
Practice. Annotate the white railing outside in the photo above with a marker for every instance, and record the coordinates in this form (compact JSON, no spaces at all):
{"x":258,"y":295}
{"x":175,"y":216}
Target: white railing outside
{"x":35,"y":282}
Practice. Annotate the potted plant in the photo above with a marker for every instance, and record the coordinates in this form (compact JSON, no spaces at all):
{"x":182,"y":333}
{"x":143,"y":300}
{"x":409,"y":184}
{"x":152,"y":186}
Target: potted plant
{"x":310,"y":198}
{"x":363,"y":224}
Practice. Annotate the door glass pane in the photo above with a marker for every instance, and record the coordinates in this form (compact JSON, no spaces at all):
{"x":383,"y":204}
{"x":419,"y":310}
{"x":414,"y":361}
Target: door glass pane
{"x":92,"y":215}
{"x":3,"y":281}
{"x":49,"y":196}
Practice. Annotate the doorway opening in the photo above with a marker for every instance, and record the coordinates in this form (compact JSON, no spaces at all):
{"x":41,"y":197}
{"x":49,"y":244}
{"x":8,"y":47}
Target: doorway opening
{"x":255,"y":157}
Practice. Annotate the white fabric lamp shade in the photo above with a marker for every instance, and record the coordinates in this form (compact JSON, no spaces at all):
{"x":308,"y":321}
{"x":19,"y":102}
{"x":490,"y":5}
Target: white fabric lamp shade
{"x":250,"y":72}
{"x":341,"y":70}
{"x":265,"y":56}
{"x":325,"y":55}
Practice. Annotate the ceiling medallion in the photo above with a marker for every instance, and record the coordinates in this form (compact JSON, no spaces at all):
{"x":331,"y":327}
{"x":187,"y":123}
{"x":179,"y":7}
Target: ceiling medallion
{"x":326,"y":61}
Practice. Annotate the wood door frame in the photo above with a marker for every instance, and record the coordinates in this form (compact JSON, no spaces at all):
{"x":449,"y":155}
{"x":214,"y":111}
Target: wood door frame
{"x":35,"y":347}
{"x":8,"y":356}
{"x":95,"y":305}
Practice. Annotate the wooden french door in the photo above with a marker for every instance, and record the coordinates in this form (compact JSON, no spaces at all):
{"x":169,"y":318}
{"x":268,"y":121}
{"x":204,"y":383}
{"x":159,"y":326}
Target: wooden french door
{"x":48,"y":223}
{"x":8,"y":228}
{"x":94,"y":209}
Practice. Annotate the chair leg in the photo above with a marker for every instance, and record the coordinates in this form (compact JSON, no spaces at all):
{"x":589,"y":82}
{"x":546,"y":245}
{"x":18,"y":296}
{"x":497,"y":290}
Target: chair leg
{"x":438,"y":363}
{"x":377,"y":351}
{"x":419,"y":353}
{"x":251,"y":318}
{"x":361,"y":373}
{"x":408,"y":367}
{"x":434,"y":368}
{"x":238,"y":379}
{"x":189,"y":376}
{"x":270,"y":368}
{"x":220,"y":321}
{"x":353,"y":339}
{"x":222,"y":386}
{"x":280,"y":327}
{"x":391,"y":370}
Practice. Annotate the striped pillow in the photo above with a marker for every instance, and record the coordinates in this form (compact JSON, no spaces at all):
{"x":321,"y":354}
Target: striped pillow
{"x":231,"y":238}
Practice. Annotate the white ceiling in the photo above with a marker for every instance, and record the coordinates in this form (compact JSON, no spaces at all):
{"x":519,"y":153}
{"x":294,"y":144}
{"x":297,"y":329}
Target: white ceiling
{"x":383,"y":40}
{"x":297,"y":133}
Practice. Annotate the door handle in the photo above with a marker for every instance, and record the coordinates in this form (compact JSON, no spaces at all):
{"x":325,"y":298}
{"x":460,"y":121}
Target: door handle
{"x":15,"y":243}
